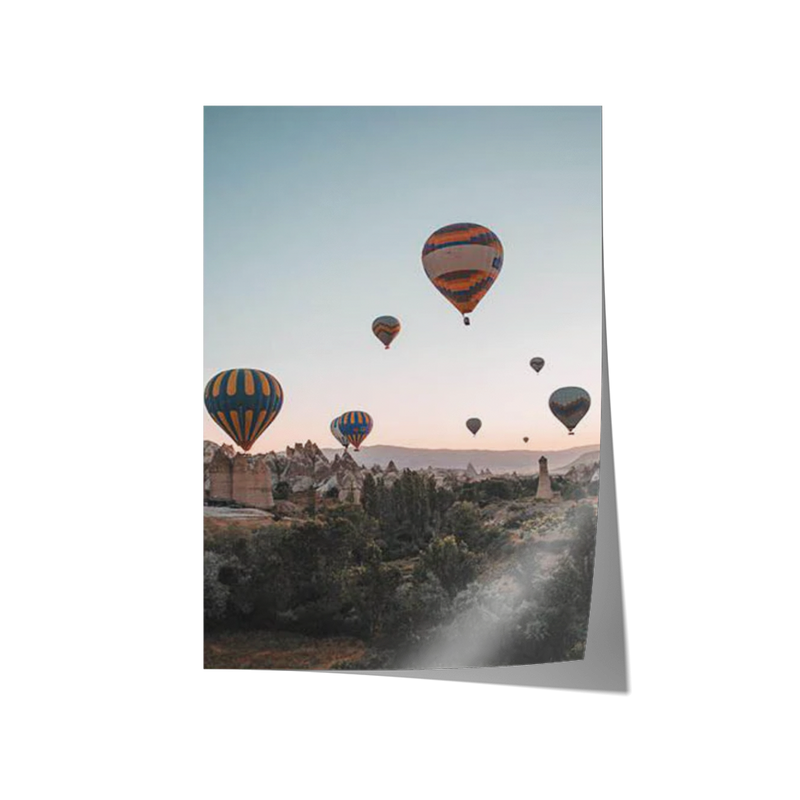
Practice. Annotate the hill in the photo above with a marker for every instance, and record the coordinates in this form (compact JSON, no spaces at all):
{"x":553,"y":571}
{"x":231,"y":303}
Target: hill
{"x":498,"y":461}
{"x":584,"y":460}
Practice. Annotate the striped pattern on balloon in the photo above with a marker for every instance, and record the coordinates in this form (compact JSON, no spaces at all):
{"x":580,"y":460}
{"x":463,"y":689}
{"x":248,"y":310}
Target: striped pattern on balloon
{"x":463,"y":261}
{"x":244,"y":403}
{"x":355,"y":426}
{"x":386,"y":329}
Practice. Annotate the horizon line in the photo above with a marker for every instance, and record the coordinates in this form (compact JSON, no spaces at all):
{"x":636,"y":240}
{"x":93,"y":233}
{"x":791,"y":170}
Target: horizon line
{"x":406,"y":447}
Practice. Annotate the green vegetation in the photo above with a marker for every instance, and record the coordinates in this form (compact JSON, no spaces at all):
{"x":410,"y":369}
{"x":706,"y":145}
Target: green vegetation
{"x":406,"y":568}
{"x":282,"y":491}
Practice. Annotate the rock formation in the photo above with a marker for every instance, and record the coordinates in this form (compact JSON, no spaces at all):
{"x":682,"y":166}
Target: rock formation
{"x":218,"y":476}
{"x":545,"y":490}
{"x":585,"y":473}
{"x":239,"y":478}
{"x":251,"y":479}
{"x":351,"y":489}
{"x":251,"y":482}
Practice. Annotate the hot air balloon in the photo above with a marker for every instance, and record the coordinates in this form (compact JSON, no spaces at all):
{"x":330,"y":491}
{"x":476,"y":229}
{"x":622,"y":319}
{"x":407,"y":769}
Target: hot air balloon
{"x":337,"y":434}
{"x":355,"y":426}
{"x":244,"y":403}
{"x":386,"y":329}
{"x":525,"y":439}
{"x":474,"y":425}
{"x":537,"y":363}
{"x":463,"y":261}
{"x":570,"y":404}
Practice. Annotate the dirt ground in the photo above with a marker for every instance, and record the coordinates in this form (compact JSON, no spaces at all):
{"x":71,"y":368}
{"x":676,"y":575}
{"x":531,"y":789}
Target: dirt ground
{"x":272,"y":650}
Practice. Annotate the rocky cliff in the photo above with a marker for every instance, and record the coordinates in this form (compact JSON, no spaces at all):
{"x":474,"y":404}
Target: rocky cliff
{"x":253,"y":479}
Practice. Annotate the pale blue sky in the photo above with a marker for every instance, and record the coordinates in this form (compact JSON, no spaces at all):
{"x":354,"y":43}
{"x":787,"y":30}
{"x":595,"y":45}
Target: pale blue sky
{"x":315,"y":220}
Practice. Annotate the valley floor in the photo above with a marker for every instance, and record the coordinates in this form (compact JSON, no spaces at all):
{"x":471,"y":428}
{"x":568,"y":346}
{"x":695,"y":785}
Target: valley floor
{"x":536,"y":534}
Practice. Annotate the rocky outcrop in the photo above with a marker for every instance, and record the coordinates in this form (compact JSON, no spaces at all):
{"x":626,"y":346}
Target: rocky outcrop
{"x":303,"y":467}
{"x":584,"y":474}
{"x":219,"y":481}
{"x":390,"y":475}
{"x":351,"y":489}
{"x":545,"y":490}
{"x":251,"y":482}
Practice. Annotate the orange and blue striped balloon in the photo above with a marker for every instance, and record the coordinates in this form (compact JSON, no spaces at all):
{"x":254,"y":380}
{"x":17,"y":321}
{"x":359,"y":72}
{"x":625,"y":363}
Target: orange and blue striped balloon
{"x":463,"y":261}
{"x":244,"y":403}
{"x":355,"y":426}
{"x":386,"y":329}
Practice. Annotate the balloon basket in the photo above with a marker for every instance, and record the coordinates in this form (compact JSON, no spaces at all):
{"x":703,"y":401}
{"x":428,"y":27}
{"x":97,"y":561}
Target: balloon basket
{"x":466,"y":320}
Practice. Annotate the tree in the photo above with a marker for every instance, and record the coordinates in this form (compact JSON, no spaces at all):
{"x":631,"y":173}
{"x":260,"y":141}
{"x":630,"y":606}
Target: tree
{"x":555,"y":625}
{"x":451,"y":562}
{"x":463,"y":520}
{"x":369,"y":496}
{"x":282,"y":491}
{"x":371,"y":589}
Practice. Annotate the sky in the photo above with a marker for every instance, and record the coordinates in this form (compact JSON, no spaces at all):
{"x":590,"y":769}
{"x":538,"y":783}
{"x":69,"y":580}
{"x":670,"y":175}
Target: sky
{"x":314,"y":223}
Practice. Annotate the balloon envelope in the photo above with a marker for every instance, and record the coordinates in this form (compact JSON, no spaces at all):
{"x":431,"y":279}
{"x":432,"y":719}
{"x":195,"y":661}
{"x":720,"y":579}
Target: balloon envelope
{"x":386,"y":329}
{"x":244,"y":403}
{"x":463,"y":261}
{"x":337,"y":434}
{"x":570,"y":405}
{"x":474,"y":425}
{"x":355,"y":426}
{"x":525,"y":439}
{"x":537,"y":363}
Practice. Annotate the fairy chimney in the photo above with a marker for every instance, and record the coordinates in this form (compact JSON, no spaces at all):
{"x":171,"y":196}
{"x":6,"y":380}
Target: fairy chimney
{"x":545,"y":490}
{"x":351,"y":491}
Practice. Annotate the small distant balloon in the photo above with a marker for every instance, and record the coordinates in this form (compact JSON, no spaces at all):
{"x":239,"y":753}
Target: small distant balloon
{"x":386,"y":329}
{"x":244,"y":403}
{"x":537,"y":363}
{"x":525,"y":439}
{"x":570,"y":405}
{"x":463,"y":261}
{"x":474,"y":425}
{"x":355,"y":426}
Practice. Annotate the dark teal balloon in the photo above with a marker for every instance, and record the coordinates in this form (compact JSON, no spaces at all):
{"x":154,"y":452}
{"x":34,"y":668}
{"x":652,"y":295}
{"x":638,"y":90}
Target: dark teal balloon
{"x":570,"y":405}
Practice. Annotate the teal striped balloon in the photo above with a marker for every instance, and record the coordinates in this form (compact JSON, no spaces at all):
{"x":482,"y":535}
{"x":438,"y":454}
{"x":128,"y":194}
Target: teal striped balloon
{"x":244,"y":403}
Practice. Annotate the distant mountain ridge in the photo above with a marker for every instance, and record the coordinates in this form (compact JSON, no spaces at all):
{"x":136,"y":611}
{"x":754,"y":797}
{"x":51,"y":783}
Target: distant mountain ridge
{"x":498,"y":461}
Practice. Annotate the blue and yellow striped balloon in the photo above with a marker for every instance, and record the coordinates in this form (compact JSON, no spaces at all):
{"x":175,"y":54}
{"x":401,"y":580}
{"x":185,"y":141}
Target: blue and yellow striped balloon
{"x":355,"y":426}
{"x":244,"y":403}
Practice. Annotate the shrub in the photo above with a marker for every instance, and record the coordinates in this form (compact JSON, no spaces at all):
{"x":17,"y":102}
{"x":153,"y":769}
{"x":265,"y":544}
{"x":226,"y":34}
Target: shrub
{"x":371,"y":588}
{"x":215,"y":593}
{"x":463,"y":520}
{"x":282,"y":491}
{"x":451,"y":562}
